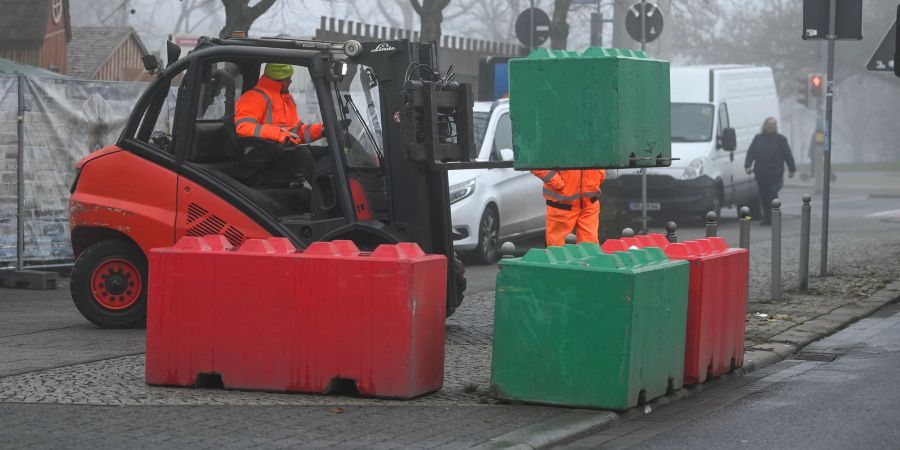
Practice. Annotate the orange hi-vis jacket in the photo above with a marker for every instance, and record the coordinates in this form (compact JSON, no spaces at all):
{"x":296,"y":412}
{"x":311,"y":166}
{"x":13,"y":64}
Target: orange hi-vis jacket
{"x":267,"y":111}
{"x":571,"y":189}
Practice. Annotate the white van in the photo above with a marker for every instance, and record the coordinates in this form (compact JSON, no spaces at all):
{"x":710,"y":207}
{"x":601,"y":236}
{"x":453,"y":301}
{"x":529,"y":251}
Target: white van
{"x":708,"y":102}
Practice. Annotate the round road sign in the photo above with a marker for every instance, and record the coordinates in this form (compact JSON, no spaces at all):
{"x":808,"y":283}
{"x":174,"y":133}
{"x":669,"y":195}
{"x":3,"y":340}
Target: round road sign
{"x":653,"y":22}
{"x":540,"y":31}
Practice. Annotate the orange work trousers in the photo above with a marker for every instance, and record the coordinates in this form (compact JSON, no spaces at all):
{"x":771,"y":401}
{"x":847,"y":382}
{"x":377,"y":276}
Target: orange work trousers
{"x":585,"y":221}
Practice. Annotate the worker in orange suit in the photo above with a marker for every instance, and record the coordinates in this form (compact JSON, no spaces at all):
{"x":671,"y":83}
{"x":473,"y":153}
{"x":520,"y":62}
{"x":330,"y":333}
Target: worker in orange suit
{"x":573,"y":203}
{"x":267,"y":111}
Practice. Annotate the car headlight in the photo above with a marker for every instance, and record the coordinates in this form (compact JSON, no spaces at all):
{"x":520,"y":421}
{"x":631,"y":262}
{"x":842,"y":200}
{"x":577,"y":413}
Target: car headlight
{"x":693,"y":170}
{"x":462,"y":190}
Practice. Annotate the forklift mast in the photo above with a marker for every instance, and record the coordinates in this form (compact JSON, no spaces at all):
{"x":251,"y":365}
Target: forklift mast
{"x":426,"y":125}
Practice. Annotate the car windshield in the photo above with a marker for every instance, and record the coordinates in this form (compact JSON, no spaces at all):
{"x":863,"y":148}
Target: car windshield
{"x":481,"y":119}
{"x":359,"y":110}
{"x":692,"y":122}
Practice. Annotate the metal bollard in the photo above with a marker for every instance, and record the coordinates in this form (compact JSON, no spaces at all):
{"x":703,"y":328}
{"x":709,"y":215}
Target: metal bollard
{"x":745,"y":227}
{"x":671,"y":228}
{"x":776,"y":250}
{"x":805,"y":219}
{"x":711,"y":225}
{"x":508,"y":250}
{"x":627,"y":232}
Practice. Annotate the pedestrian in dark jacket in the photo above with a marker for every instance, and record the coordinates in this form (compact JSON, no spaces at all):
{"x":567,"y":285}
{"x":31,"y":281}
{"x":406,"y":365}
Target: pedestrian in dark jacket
{"x":766,"y":157}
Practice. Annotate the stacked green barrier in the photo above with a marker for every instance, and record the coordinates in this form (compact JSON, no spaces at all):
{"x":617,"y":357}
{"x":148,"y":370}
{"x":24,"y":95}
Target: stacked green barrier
{"x":574,"y":326}
{"x":601,"y":108}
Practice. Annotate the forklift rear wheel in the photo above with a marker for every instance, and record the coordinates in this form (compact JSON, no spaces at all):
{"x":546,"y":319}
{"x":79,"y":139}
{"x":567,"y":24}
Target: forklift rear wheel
{"x":109,"y":284}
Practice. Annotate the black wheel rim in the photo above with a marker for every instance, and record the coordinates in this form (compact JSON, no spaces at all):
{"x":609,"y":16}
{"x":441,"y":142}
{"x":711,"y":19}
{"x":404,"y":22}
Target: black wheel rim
{"x":490,"y":237}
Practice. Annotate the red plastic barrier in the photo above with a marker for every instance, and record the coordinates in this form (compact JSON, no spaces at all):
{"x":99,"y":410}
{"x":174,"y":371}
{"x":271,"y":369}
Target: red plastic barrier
{"x":717,"y":301}
{"x":267,"y":317}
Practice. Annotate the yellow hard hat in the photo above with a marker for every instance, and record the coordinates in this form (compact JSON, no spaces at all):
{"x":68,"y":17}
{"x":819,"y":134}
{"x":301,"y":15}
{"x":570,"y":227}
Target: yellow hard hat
{"x":279,"y":71}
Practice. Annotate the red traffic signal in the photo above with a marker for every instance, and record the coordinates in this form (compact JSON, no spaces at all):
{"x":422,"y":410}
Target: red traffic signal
{"x":815,"y":81}
{"x":815,"y":85}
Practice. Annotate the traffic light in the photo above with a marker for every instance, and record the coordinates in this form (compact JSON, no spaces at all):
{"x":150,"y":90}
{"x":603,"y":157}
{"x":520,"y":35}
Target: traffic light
{"x":810,"y":90}
{"x":815,"y":85}
{"x":803,"y":90}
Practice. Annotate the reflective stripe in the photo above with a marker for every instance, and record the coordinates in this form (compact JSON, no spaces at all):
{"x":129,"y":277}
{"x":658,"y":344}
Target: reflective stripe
{"x":556,"y":196}
{"x":306,"y":137}
{"x":268,"y":104}
{"x":246,"y":120}
{"x":549,"y":176}
{"x":297,"y":128}
{"x":257,"y":130}
{"x":568,"y":198}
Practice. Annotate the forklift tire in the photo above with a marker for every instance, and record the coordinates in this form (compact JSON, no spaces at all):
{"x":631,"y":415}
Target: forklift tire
{"x":109,"y":284}
{"x":460,"y":273}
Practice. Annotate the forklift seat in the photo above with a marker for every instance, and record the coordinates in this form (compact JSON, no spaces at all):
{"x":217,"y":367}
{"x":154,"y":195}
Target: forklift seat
{"x":214,"y":139}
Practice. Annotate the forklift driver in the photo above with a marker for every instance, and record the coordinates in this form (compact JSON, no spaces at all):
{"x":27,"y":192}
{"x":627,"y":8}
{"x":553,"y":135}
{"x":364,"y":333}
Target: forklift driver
{"x":268,"y":112}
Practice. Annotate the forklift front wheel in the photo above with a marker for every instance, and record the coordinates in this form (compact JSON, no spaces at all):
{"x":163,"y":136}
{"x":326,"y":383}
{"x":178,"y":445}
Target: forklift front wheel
{"x":109,"y":284}
{"x":454,"y":299}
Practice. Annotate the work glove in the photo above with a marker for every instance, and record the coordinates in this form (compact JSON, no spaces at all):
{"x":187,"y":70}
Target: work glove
{"x":316,"y":131}
{"x":288,"y":137}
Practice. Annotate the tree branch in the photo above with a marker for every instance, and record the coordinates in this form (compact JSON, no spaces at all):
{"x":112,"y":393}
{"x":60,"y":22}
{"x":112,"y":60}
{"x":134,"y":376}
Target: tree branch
{"x":416,"y":6}
{"x":260,"y":8}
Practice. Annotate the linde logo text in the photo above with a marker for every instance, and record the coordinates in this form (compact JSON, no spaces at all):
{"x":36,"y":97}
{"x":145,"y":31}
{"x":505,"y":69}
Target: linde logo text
{"x":384,"y":47}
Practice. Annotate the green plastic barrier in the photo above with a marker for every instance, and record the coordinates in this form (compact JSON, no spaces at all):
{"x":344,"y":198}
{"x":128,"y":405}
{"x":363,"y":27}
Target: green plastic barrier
{"x":602,"y":108}
{"x":576,"y":327}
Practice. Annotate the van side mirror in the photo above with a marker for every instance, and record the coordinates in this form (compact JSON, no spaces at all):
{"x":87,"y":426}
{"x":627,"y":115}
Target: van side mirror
{"x":506,"y":154}
{"x":728,"y":140}
{"x":173,"y":51}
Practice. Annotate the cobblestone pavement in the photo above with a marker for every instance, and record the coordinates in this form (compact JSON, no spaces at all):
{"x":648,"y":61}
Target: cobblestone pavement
{"x":862,"y":263}
{"x":120,"y":381}
{"x":199,"y":427}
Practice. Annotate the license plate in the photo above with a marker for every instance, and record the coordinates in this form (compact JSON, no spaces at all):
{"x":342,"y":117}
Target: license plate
{"x":651,"y":206}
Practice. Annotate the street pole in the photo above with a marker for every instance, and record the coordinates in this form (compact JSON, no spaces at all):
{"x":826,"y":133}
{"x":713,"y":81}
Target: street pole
{"x":820,"y":125}
{"x":531,"y":27}
{"x":20,"y":175}
{"x":826,"y":149}
{"x":643,"y":170}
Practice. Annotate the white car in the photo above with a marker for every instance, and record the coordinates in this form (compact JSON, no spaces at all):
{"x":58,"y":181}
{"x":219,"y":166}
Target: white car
{"x":490,"y":206}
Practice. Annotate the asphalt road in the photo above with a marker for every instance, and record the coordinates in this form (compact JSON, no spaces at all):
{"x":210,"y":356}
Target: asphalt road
{"x":851,"y":402}
{"x":855,"y":195}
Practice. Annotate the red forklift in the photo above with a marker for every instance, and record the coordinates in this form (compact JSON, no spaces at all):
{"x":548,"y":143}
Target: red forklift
{"x":393,"y":125}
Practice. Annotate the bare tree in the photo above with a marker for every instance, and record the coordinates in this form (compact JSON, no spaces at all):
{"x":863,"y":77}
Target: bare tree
{"x":559,"y":27}
{"x":206,"y":8}
{"x":484,"y":19}
{"x":387,"y":10}
{"x":239,"y":15}
{"x":431,"y":14}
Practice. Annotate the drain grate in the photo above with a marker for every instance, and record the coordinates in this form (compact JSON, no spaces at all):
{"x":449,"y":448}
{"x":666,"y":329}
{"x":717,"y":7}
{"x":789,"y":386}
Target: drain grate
{"x":812,"y":356}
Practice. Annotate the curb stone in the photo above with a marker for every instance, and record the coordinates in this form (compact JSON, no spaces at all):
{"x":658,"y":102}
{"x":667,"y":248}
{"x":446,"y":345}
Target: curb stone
{"x":578,"y":424}
{"x":554,"y":431}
